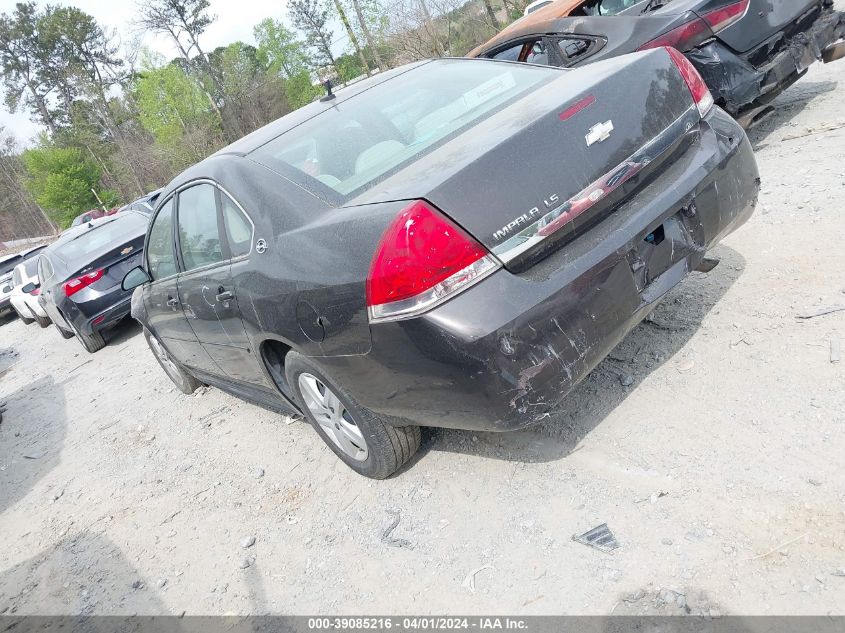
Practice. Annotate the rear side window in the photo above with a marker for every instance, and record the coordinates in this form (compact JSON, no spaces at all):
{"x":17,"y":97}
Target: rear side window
{"x":238,"y":227}
{"x":359,"y":141}
{"x":199,"y":234}
{"x":161,"y":259}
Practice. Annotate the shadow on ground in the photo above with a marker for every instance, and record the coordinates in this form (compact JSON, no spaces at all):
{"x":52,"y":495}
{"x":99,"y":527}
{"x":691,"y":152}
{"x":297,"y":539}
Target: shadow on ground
{"x":83,"y":574}
{"x":787,"y":107}
{"x":648,"y":347}
{"x":123,"y":331}
{"x":32,"y":436}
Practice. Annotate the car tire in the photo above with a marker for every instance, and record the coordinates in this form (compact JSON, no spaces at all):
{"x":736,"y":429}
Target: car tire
{"x":43,"y":321}
{"x":91,"y":342}
{"x":344,"y":423}
{"x":65,"y":334}
{"x":26,"y":320}
{"x":184,"y":381}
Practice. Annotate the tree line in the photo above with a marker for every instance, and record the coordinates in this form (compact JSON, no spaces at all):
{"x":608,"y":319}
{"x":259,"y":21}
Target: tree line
{"x":119,"y":120}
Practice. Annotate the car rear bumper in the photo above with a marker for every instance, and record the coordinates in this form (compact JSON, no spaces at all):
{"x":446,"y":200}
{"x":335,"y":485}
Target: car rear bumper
{"x":98,"y":314}
{"x":503,"y":353}
{"x":739,"y":82}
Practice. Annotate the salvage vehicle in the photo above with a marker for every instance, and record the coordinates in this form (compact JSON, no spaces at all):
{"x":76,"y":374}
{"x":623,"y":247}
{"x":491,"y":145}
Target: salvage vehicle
{"x":748,"y":51}
{"x":7,"y":265}
{"x":26,"y":304}
{"x":81,"y":272}
{"x":377,"y":260}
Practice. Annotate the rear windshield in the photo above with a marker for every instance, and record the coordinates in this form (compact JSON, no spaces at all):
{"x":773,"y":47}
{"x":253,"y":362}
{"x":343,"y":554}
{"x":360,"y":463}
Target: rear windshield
{"x":9,"y":265}
{"x":112,"y":232}
{"x":363,"y":139}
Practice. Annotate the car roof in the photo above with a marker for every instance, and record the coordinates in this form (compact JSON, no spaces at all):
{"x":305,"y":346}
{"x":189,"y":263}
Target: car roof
{"x":535,"y":22}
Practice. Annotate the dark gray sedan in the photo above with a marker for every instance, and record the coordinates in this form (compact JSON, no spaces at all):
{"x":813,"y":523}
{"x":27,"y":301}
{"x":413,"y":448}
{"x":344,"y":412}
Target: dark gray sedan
{"x":454,"y":243}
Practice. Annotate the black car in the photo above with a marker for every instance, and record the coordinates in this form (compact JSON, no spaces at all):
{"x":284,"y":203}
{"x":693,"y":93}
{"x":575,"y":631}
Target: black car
{"x":445,"y":244}
{"x":748,"y":51}
{"x":81,"y":272}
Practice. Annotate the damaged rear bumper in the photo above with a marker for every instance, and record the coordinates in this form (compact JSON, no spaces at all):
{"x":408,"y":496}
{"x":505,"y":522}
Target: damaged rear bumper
{"x":502,"y":354}
{"x":740,"y":82}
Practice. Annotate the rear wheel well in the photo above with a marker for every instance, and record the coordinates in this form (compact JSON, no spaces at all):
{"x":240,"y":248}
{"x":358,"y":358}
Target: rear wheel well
{"x":273,"y":354}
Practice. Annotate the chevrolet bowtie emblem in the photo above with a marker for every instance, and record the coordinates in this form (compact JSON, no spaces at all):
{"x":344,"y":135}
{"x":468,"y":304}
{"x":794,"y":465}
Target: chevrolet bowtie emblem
{"x":599,"y":133}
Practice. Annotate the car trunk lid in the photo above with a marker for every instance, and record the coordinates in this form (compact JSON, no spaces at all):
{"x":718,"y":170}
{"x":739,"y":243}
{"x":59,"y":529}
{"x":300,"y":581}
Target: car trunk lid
{"x":545,"y":169}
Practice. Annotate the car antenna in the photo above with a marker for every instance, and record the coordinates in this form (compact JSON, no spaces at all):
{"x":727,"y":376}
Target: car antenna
{"x":327,"y":84}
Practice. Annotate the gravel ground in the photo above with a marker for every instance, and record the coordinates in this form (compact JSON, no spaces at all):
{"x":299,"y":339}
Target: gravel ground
{"x":718,"y":464}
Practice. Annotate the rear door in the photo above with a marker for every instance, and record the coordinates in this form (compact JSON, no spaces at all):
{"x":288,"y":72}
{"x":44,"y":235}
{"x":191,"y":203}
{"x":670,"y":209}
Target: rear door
{"x":161,"y":296}
{"x":206,"y":289}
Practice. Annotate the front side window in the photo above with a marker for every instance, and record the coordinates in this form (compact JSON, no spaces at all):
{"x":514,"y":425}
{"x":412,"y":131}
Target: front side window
{"x":238,"y":227}
{"x":199,"y":234}
{"x":161,"y":260}
{"x":359,"y":141}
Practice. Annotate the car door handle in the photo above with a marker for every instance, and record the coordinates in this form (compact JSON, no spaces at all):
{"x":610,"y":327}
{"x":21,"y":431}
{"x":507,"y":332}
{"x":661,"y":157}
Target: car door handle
{"x":172,"y":302}
{"x":225,"y":295}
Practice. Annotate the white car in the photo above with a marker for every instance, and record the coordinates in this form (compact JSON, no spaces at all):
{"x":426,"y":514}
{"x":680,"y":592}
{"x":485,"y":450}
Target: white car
{"x":25,"y":277}
{"x":537,"y":4}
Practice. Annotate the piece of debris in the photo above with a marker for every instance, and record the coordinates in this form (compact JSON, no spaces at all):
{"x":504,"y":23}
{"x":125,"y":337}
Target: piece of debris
{"x":666,"y":541}
{"x":34,"y":455}
{"x":626,"y":381}
{"x":248,"y":542}
{"x":469,"y":581}
{"x":835,"y":351}
{"x":392,"y":541}
{"x":59,"y":495}
{"x":838,"y":572}
{"x":600,"y":537}
{"x":138,"y":584}
{"x":532,"y":600}
{"x":814,"y":482}
{"x":258,"y":473}
{"x":653,"y":497}
{"x":161,"y":582}
{"x":685,"y":365}
{"x":779,"y":547}
{"x":822,"y":312}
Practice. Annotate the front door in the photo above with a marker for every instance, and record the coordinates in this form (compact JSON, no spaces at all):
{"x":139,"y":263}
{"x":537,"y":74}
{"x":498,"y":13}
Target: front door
{"x":206,"y":292}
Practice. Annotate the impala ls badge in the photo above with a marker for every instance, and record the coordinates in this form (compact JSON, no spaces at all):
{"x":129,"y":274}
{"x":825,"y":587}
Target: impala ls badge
{"x":599,"y":133}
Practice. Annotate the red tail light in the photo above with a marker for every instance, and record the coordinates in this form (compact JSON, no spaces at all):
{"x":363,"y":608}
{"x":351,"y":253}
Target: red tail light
{"x":683,"y":38}
{"x":75,"y":285}
{"x":699,"y":90}
{"x":719,"y":19}
{"x":422,"y":260}
{"x":36,"y":292}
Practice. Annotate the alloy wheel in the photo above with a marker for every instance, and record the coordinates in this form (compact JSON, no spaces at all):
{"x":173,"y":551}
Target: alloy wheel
{"x":333,"y":417}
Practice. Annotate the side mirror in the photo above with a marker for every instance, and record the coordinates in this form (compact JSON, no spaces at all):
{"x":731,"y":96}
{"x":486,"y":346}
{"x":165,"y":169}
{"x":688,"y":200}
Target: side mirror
{"x":134,"y":278}
{"x":28,"y":288}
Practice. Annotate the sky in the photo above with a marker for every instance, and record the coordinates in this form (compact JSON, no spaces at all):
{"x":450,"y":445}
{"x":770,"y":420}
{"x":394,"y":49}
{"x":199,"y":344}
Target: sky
{"x":235,"y":20}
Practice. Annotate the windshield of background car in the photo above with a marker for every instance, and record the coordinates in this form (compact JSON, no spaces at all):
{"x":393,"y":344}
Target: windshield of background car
{"x":360,"y":141}
{"x":613,"y":7}
{"x":120,"y":228}
{"x":9,"y":265}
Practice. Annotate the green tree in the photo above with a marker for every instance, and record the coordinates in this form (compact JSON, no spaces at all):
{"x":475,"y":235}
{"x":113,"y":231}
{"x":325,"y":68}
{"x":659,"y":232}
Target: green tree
{"x":312,"y":18}
{"x":279,"y":49}
{"x":299,"y":90}
{"x":63,"y":180}
{"x":173,"y":108}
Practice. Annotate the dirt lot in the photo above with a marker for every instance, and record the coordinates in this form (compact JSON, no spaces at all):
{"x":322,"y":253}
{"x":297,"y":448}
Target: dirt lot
{"x":711,"y":442}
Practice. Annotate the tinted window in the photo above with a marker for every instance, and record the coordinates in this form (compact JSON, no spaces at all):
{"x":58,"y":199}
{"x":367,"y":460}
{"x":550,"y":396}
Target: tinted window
{"x":112,"y":232}
{"x":9,"y":265}
{"x":161,"y":258}
{"x":238,"y":227}
{"x":199,"y":237}
{"x":356,"y":142}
